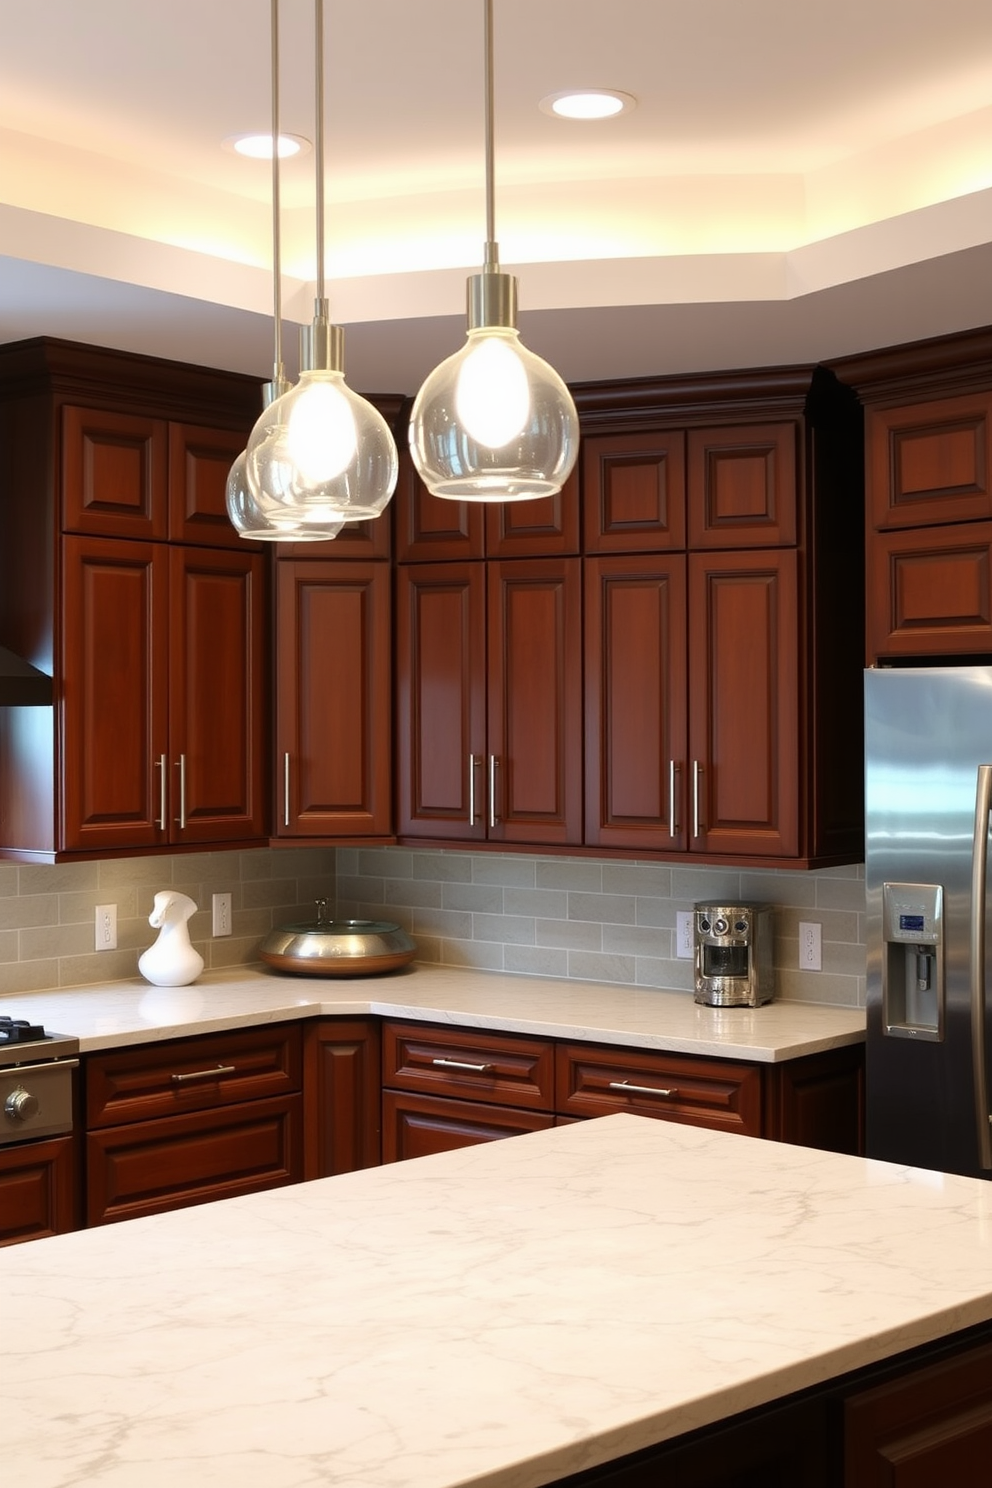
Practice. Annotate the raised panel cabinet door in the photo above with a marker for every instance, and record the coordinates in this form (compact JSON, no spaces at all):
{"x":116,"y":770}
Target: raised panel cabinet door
{"x":341,"y":1096}
{"x":441,"y":700}
{"x":200,"y":459}
{"x":429,"y":528}
{"x":37,"y":1190}
{"x":930,"y":591}
{"x":930,"y":463}
{"x":633,"y":491}
{"x":113,"y":745}
{"x":744,"y":706}
{"x":635,"y":701}
{"x":742,"y":485}
{"x":419,"y":1125}
{"x":540,"y":528}
{"x":333,"y":699}
{"x":217,"y":705}
{"x":534,"y":763}
{"x":114,"y":473}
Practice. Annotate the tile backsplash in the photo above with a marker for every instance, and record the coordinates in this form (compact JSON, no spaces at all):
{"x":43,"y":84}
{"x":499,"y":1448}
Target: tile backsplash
{"x":602,"y":920}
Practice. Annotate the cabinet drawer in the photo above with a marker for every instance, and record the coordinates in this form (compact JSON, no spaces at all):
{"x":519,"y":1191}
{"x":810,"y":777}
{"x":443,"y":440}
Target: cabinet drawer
{"x":419,"y":1125}
{"x":698,"y":1092}
{"x":499,"y":1068}
{"x":192,"y":1074}
{"x":151,"y":1166}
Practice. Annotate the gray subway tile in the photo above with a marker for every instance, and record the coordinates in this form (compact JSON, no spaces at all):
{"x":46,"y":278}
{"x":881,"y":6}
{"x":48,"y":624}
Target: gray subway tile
{"x":608,"y":909}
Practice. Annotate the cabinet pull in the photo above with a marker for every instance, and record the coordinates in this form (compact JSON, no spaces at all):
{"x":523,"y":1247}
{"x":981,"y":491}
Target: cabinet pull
{"x":629,"y":1089}
{"x":673,"y":821}
{"x":208,"y":1074}
{"x":181,"y":818}
{"x":161,"y":765}
{"x":697,"y":771}
{"x":477,"y":1069}
{"x":493,"y":767}
{"x":471,"y":790}
{"x":285,"y":789}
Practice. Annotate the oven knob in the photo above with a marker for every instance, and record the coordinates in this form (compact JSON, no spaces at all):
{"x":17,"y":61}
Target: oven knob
{"x":720,"y":926}
{"x":21,"y":1105}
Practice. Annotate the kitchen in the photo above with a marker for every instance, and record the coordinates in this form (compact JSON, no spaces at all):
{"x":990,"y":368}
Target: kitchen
{"x":437,"y":891}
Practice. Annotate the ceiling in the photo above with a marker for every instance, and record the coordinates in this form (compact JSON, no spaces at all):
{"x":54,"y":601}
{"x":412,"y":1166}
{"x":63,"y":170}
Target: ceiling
{"x":797,"y":181}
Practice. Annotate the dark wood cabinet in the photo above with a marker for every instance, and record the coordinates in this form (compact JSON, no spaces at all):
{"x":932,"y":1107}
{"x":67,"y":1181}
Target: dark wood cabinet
{"x":190,"y":1120}
{"x":489,"y":701}
{"x":593,"y":1080}
{"x":122,"y":578}
{"x":341,"y":1090}
{"x":38,"y":1189}
{"x":333,"y":699}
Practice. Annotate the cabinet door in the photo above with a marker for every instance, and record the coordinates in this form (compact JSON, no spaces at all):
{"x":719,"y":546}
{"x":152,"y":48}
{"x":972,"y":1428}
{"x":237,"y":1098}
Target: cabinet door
{"x":544,"y":527}
{"x":714,"y":1093}
{"x":341,"y":1097}
{"x":114,"y":473}
{"x":634,"y":492}
{"x":429,"y":528}
{"x":418,"y":1125}
{"x":115,"y":647}
{"x":441,"y":699}
{"x":535,"y":700}
{"x":742,"y":486}
{"x":37,"y":1190}
{"x":930,"y":463}
{"x":217,"y":711}
{"x":635,"y":701}
{"x":333,"y":699}
{"x":744,"y":744}
{"x":930,"y":591}
{"x":199,"y":461}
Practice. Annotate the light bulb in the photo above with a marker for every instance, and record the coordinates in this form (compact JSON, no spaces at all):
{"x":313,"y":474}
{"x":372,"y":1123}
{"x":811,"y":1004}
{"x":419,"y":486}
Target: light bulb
{"x":320,"y":454}
{"x":494,"y":422}
{"x":249,"y":518}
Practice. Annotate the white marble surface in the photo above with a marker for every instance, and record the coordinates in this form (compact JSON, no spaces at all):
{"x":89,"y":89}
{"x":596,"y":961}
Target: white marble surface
{"x":501,"y":1315}
{"x":133,"y":1011}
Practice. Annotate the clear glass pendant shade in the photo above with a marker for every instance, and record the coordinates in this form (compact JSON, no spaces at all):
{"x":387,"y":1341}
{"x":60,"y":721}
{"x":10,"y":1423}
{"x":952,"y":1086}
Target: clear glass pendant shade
{"x":249,"y":518}
{"x":494,"y":422}
{"x":320,"y":454}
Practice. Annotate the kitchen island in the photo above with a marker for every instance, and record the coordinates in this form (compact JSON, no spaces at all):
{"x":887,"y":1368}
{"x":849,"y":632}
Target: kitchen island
{"x":503,"y":1315}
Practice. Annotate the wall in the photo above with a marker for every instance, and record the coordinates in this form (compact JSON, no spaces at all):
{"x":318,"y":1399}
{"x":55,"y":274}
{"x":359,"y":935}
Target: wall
{"x":598,"y":920}
{"x":47,"y":912}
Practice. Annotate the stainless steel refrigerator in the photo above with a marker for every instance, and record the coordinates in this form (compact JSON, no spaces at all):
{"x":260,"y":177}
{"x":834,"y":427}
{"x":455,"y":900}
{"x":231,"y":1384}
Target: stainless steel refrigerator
{"x":928,"y":794}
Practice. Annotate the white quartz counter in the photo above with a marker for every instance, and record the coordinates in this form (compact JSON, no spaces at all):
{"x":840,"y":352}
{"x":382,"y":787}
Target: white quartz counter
{"x":133,"y":1011}
{"x":502,"y":1315}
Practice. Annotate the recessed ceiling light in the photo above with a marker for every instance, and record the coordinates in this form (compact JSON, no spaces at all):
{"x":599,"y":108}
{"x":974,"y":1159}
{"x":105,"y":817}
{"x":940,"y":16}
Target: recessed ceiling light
{"x":588,"y":103}
{"x":259,"y":146}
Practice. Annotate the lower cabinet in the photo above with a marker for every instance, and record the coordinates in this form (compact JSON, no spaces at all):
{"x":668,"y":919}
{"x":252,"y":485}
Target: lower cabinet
{"x":341,"y":1096}
{"x":38,"y":1189}
{"x":189,"y":1120}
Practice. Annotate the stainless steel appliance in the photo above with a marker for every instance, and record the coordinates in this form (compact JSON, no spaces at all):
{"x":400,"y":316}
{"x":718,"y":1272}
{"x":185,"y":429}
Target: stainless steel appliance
{"x":733,"y":946}
{"x":36,"y":1072}
{"x":928,"y":793}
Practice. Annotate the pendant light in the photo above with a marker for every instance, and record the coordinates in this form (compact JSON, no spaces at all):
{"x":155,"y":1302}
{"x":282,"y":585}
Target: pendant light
{"x":248,"y":514}
{"x":493,"y":422}
{"x":320,"y":455}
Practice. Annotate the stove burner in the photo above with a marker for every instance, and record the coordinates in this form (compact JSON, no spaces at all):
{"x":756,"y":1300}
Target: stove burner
{"x":19,"y":1031}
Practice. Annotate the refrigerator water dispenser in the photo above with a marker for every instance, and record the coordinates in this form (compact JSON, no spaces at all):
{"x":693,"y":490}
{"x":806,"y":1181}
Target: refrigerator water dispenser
{"x":913,"y":960}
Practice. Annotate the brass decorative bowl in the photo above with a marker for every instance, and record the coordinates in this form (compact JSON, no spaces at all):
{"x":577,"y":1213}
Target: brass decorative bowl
{"x":344,"y":948}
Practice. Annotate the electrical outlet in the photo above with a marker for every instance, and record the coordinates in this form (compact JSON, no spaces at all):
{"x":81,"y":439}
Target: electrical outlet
{"x":684,"y":943}
{"x":105,"y":928}
{"x":809,"y":947}
{"x":222,"y":914}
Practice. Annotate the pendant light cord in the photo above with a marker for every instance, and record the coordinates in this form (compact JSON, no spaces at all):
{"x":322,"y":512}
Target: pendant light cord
{"x":318,"y":30}
{"x":278,"y":374}
{"x":492,"y":248}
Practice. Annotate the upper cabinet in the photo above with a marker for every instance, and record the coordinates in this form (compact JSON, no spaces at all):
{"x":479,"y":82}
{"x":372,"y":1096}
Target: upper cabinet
{"x":928,"y":463}
{"x":704,"y":695}
{"x":122,"y":577}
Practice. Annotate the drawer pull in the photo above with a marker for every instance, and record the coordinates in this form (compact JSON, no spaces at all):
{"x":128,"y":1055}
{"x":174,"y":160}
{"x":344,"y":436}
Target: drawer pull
{"x":629,"y":1089}
{"x":477,"y":1069}
{"x":209,"y":1074}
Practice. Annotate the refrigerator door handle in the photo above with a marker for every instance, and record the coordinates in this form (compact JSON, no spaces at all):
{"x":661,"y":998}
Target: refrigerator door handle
{"x":979,"y":865}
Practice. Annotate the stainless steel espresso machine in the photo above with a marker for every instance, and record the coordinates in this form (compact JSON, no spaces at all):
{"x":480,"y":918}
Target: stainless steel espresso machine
{"x":733,"y":954}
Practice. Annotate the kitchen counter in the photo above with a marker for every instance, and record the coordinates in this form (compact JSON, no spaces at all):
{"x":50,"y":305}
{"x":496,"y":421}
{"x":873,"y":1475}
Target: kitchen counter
{"x":501,"y":1315}
{"x":130,"y":1012}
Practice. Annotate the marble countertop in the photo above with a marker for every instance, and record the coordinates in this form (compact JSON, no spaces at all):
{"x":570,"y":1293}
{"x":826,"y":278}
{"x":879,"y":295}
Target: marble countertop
{"x":501,"y":1315}
{"x":128,"y":1012}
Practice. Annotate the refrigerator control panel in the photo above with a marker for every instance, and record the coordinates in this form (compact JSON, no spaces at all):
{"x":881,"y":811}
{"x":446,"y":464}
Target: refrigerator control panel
{"x":913,"y":960}
{"x":912,"y":912}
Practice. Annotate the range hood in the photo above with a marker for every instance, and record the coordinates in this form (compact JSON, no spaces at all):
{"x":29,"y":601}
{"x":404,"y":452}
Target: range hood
{"x":21,"y":684}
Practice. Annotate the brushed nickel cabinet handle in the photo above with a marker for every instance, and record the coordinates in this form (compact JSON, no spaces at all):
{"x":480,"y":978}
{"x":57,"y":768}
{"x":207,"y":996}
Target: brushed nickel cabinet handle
{"x":697,"y":771}
{"x":629,"y":1089}
{"x":674,"y":771}
{"x":285,"y":789}
{"x":459,"y":1064}
{"x":181,"y":818}
{"x":161,"y":764}
{"x":471,"y":790}
{"x":207,"y":1074}
{"x":493,"y":767}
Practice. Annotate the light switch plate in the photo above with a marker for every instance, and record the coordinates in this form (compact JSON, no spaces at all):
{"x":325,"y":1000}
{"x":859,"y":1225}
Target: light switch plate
{"x":222,"y":914}
{"x":105,"y":927}
{"x":684,"y":946}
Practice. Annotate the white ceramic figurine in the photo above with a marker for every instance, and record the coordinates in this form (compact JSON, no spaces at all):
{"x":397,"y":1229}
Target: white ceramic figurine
{"x":171,"y":961}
